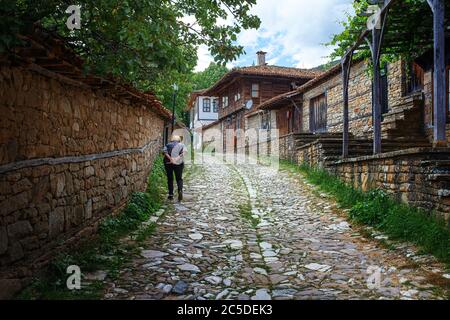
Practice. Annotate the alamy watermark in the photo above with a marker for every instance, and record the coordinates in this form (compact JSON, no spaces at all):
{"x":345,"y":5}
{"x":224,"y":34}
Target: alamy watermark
{"x":74,"y":20}
{"x":374,"y":21}
{"x":74,"y":280}
{"x":233,"y":146}
{"x":374,"y":278}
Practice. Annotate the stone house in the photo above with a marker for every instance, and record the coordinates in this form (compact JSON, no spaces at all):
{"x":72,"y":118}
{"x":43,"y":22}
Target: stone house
{"x":73,"y":147}
{"x":242,"y":90}
{"x":331,"y":122}
{"x":211,"y":138}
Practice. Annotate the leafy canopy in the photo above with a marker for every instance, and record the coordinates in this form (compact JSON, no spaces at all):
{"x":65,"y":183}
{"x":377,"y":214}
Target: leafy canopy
{"x":205,"y":79}
{"x":139,"y":41}
{"x":186,"y":84}
{"x":408,"y":33}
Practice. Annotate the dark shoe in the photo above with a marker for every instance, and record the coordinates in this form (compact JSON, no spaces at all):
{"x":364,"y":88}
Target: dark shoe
{"x":180,"y":196}
{"x":170,"y":198}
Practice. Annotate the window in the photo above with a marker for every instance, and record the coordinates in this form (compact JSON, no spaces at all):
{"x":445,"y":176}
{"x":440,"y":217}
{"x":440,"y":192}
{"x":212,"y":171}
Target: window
{"x":318,"y":114}
{"x":238,"y":121}
{"x":237,"y":97}
{"x":265,"y":121}
{"x":206,"y":105}
{"x":255,"y":90}
{"x":384,"y":90}
{"x":224,"y":102}
{"x":414,"y":78}
{"x":215,"y":106}
{"x":448,"y":93}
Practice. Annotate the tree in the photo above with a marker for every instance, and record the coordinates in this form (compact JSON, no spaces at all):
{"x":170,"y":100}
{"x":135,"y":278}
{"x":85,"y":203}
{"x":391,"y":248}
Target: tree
{"x":408,"y":32}
{"x":163,"y":87}
{"x":137,"y":40}
{"x":205,"y":79}
{"x":186,"y":84}
{"x":353,"y":26}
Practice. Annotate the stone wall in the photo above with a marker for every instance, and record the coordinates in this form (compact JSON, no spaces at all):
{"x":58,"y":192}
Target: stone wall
{"x":311,"y":154}
{"x":288,"y":148}
{"x":258,"y":141}
{"x":417,"y":176}
{"x":360,"y":106}
{"x":69,"y":156}
{"x":414,"y":176}
{"x":360,"y":98}
{"x":428,"y":108}
{"x":212,"y":138}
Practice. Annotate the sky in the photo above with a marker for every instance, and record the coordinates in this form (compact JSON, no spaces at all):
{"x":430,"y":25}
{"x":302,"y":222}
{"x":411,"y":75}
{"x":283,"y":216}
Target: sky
{"x":292,"y":32}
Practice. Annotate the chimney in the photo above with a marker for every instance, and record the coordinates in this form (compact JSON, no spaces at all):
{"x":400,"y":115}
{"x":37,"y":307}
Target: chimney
{"x":261,"y":58}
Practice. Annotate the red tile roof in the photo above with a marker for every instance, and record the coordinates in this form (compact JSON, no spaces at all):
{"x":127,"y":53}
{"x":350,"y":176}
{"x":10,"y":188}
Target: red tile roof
{"x":265,"y":71}
{"x":49,"y":55}
{"x":275,"y":101}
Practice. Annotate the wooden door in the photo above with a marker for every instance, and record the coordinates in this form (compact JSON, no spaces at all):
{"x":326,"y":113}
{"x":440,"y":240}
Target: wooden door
{"x":318,"y":114}
{"x":297,"y":119}
{"x":384,"y":90}
{"x":448,"y":93}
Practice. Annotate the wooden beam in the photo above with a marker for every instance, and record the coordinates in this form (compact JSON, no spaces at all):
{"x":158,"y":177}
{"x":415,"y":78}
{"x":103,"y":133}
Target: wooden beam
{"x":376,"y":98}
{"x":366,"y":32}
{"x":439,"y":101}
{"x":346,"y":64}
{"x":377,"y":39}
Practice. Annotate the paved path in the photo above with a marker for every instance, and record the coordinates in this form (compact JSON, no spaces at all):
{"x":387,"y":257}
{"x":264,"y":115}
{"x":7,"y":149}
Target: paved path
{"x":248,"y":232}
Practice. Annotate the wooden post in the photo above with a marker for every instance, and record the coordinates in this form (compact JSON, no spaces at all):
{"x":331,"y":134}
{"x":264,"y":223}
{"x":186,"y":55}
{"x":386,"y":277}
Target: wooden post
{"x":439,"y":99}
{"x":346,"y":65}
{"x":376,"y":108}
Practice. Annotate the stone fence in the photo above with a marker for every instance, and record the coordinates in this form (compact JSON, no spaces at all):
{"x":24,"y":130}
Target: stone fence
{"x":417,"y":176}
{"x":69,"y":156}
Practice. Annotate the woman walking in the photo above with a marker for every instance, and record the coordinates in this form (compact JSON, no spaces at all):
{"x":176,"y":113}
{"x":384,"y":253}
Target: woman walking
{"x":174,"y":153}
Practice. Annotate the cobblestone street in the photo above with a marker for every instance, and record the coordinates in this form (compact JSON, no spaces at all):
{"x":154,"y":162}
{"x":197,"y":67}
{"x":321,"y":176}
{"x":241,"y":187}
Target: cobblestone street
{"x":248,"y":232}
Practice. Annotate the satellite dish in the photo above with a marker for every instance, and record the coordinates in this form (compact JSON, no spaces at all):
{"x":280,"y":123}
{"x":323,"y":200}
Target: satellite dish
{"x":249,"y":104}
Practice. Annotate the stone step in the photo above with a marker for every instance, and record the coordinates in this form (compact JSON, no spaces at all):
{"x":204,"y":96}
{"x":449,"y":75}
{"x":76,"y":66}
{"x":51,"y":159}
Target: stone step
{"x":405,"y":120}
{"x":440,"y":180}
{"x":404,"y":134}
{"x":400,"y":124}
{"x":357,"y":147}
{"x":439,"y":177}
{"x":395,"y":144}
{"x":409,"y":115}
{"x":436,"y":162}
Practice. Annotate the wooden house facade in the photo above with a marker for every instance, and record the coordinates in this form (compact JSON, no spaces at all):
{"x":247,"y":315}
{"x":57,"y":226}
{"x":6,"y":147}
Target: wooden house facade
{"x":383,"y":128}
{"x":242,"y":90}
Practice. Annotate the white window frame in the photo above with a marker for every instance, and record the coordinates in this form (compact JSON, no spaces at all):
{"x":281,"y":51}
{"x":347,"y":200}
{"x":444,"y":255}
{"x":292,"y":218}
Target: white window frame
{"x":206,"y":103}
{"x":225,"y":101}
{"x":255,"y":90}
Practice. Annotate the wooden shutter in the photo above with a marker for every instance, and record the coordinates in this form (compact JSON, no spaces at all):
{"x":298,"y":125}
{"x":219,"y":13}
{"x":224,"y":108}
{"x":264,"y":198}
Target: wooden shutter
{"x":318,"y":114}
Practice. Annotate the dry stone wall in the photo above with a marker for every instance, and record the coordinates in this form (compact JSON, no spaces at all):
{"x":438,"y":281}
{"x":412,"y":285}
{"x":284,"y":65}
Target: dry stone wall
{"x":360,"y":98}
{"x":409,"y":176}
{"x":428,"y":108}
{"x":69,"y":156}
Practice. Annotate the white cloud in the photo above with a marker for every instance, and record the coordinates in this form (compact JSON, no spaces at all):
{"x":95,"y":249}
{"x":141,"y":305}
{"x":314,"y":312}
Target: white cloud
{"x":204,"y":58}
{"x":292,"y":32}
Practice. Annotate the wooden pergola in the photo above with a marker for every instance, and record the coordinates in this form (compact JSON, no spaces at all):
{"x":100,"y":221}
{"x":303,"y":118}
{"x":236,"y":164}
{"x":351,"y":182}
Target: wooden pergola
{"x":399,"y":31}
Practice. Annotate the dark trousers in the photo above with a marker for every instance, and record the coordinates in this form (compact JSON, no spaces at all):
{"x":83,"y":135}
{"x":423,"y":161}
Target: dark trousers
{"x":178,"y":170}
